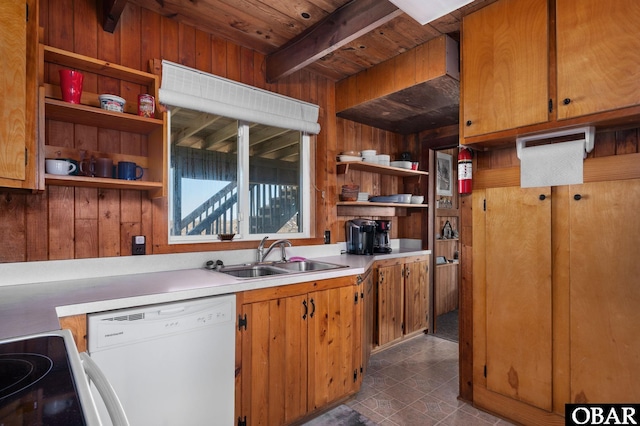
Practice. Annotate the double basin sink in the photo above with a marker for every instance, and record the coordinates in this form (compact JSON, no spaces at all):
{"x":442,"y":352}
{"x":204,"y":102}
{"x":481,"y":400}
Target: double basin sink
{"x":262,"y":269}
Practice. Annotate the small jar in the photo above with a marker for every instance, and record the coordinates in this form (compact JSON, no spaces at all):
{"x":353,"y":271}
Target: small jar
{"x":146,"y":106}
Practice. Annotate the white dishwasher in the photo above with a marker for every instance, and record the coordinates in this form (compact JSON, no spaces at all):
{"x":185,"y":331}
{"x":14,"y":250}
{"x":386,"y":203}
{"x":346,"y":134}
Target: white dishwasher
{"x":170,"y":364}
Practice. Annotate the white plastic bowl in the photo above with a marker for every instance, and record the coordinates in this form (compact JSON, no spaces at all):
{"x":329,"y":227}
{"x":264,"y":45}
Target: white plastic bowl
{"x":417,"y":199}
{"x":346,"y":158}
{"x":112,"y":103}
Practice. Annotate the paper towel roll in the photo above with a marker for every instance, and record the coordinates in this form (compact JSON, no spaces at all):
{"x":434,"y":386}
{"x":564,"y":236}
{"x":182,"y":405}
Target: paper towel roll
{"x":553,"y":164}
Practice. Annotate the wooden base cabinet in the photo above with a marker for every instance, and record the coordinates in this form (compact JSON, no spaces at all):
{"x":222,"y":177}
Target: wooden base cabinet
{"x":555,"y":298}
{"x":402,"y":297}
{"x":299,"y":349}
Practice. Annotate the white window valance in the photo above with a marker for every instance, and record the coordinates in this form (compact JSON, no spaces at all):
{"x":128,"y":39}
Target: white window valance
{"x":189,"y":88}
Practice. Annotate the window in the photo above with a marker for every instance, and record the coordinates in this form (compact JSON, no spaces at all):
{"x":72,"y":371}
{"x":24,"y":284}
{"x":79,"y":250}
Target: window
{"x":227,"y":176}
{"x":239,"y":160}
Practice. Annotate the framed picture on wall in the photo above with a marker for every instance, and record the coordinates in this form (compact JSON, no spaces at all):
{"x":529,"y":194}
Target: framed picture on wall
{"x":444,"y":181}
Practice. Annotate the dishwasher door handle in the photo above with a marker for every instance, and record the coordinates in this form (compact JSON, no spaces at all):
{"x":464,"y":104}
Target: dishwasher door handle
{"x":106,"y":391}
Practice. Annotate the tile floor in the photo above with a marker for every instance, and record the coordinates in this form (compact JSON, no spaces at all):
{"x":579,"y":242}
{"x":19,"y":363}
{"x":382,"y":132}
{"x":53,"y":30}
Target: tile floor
{"x":416,"y":383}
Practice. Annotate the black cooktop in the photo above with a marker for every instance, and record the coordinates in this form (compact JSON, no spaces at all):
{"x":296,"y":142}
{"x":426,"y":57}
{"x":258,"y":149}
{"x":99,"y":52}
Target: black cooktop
{"x":36,"y":384}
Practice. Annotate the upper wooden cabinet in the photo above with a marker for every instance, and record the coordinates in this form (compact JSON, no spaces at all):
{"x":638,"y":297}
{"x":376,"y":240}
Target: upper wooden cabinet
{"x":505,"y":67}
{"x":598,"y":52}
{"x":18,"y":147}
{"x":522,"y":74}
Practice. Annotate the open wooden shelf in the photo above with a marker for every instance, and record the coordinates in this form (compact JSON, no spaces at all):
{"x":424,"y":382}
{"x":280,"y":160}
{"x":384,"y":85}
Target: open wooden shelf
{"x":89,"y":113}
{"x":79,"y":62}
{"x":357,"y":208}
{"x":96,"y":182}
{"x":98,"y":117}
{"x":344,"y":167}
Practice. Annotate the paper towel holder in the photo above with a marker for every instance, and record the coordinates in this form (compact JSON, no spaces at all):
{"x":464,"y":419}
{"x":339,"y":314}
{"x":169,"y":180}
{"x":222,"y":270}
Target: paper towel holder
{"x":589,"y":138}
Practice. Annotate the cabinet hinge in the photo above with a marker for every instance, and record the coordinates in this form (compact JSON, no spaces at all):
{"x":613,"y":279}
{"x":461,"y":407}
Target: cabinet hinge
{"x":550,"y":105}
{"x":362,"y":295}
{"x":355,"y":300}
{"x":26,"y":157}
{"x":27,"y":10}
{"x":243,"y":421}
{"x":355,"y":375}
{"x":485,"y":370}
{"x":402,"y":326}
{"x":484,"y":205}
{"x":242,"y":322}
{"x":361,"y":369}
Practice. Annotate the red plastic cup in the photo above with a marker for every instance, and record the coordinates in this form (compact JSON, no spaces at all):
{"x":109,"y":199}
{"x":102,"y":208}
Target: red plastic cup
{"x":71,"y":86}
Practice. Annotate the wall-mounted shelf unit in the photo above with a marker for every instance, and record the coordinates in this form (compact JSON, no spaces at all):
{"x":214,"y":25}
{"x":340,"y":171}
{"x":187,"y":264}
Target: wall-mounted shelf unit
{"x":357,"y":208}
{"x":89,"y":113}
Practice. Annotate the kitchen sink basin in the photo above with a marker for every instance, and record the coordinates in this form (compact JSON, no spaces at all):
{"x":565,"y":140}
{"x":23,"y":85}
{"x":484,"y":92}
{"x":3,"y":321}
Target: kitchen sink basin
{"x":255,"y":270}
{"x":308,"y":266}
{"x":252,"y":271}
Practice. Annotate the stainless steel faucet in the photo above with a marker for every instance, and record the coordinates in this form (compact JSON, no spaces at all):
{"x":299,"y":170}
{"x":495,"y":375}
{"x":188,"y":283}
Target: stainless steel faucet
{"x":281,"y":243}
{"x":260,"y":252}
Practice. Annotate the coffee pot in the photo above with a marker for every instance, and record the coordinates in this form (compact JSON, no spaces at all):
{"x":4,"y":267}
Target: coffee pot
{"x":382,"y":244}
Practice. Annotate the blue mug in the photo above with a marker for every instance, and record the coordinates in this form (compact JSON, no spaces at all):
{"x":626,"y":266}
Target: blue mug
{"x":128,"y":170}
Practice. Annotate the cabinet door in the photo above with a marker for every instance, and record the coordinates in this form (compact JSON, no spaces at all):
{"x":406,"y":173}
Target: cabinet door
{"x":13,"y":98}
{"x":367,"y":319}
{"x":390,"y":301}
{"x":518,"y":294}
{"x":274,"y":361}
{"x":604,"y":292}
{"x":332,"y":331}
{"x":505,"y":66}
{"x":598,"y":46}
{"x":416,"y":292}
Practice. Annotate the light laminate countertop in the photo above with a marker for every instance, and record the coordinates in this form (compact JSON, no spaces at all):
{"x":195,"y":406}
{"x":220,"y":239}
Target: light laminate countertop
{"x":29,"y":308}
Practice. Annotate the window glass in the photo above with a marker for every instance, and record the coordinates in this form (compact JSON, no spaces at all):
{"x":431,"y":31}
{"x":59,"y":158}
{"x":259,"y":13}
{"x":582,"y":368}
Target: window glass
{"x":204,"y":170}
{"x":274,"y":180}
{"x":228,"y":176}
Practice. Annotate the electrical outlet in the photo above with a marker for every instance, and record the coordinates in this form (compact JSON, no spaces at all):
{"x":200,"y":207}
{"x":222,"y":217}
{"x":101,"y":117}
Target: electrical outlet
{"x":138,"y":245}
{"x":327,"y":237}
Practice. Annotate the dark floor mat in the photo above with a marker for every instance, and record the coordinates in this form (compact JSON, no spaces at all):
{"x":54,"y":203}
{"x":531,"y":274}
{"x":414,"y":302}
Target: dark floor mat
{"x":341,"y":416}
{"x":447,"y":326}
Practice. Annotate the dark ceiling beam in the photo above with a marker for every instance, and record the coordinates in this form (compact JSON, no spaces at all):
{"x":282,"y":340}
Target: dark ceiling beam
{"x":111,"y":12}
{"x":346,"y":24}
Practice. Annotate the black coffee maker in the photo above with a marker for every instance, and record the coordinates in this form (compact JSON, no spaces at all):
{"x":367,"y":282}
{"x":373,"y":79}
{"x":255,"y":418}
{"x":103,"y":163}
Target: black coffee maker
{"x":381,"y":242}
{"x":360,"y":235}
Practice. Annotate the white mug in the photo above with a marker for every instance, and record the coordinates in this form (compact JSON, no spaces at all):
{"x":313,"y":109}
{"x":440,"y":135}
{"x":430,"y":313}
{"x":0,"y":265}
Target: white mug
{"x":59,"y":167}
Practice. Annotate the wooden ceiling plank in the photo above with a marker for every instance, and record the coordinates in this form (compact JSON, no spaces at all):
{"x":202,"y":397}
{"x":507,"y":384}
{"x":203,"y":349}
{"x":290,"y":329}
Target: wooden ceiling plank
{"x":111,"y":12}
{"x":344,"y":25}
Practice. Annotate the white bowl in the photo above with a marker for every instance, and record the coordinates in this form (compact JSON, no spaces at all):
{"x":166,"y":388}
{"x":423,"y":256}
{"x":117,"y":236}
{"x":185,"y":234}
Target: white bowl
{"x":417,"y":199}
{"x":345,"y":158}
{"x":112,"y":103}
{"x":368,"y":152}
{"x":401,"y":164}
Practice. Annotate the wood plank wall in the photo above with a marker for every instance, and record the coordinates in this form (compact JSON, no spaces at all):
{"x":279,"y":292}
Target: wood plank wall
{"x":67,"y":222}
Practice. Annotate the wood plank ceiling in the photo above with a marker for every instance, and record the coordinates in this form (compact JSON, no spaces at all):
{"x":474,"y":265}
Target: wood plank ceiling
{"x":334,"y":38}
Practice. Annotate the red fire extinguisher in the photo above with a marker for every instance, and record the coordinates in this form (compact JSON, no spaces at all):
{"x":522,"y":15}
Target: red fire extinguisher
{"x":465,"y":182}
